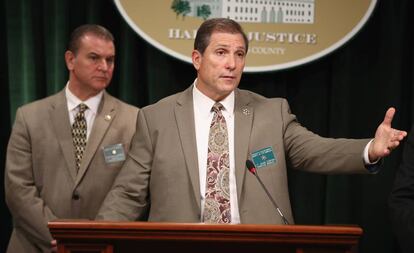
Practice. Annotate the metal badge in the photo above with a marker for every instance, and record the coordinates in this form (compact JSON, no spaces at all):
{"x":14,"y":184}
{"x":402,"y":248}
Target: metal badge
{"x":114,"y":153}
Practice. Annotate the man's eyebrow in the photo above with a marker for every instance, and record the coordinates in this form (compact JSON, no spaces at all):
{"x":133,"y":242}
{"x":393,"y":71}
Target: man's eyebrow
{"x":100,"y":55}
{"x":227,"y":46}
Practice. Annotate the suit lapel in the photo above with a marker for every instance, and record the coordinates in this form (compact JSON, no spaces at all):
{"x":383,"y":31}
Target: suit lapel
{"x":104,"y":117}
{"x":184,"y":114}
{"x":59,"y":115}
{"x":243,"y":119}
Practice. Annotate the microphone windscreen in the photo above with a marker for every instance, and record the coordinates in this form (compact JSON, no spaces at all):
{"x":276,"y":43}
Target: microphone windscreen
{"x":250,"y":166}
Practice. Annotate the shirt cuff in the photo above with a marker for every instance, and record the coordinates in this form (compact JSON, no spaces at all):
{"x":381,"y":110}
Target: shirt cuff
{"x":374,"y":166}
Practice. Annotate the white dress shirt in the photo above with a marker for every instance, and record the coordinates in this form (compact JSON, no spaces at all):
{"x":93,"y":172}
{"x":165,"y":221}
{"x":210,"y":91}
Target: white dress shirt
{"x":90,"y":112}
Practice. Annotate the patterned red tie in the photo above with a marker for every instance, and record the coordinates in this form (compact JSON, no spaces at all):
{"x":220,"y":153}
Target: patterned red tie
{"x":217,"y":198}
{"x":79,"y":134}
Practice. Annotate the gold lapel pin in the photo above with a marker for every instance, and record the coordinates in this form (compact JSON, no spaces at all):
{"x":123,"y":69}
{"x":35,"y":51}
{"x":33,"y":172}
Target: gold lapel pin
{"x":246,"y":111}
{"x":108,"y":117}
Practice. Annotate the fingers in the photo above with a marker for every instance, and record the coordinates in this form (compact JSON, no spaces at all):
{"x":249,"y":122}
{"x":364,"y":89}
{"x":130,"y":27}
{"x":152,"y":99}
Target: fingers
{"x":398,"y":135}
{"x":401,"y":134}
{"x":389,"y":115}
{"x":393,"y":145}
{"x":395,"y":140}
{"x":54,"y":245}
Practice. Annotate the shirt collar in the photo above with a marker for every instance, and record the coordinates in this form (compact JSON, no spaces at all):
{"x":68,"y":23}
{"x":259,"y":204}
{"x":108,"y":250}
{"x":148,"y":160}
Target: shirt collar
{"x":203,"y":104}
{"x":73,"y":101}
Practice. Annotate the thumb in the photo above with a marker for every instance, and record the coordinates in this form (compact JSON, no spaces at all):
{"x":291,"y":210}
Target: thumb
{"x":389,"y":115}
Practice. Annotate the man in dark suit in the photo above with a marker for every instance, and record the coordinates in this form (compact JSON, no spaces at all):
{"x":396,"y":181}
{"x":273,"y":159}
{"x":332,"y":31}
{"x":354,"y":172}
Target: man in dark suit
{"x":187,"y":160}
{"x":66,"y":150}
{"x":401,"y":202}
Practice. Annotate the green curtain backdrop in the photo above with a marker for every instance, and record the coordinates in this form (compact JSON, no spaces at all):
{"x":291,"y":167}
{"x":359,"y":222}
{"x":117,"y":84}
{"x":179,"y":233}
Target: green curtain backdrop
{"x":344,"y":94}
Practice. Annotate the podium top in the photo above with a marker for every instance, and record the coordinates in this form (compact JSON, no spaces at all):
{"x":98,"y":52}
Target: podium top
{"x":327,"y":234}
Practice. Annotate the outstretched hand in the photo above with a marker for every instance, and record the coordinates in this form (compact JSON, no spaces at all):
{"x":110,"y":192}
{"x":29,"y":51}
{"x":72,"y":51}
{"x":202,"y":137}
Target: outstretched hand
{"x":386,"y":138}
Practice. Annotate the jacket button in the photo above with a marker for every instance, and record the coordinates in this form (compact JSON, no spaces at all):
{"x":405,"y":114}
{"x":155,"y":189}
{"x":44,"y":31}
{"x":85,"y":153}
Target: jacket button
{"x":75,"y":196}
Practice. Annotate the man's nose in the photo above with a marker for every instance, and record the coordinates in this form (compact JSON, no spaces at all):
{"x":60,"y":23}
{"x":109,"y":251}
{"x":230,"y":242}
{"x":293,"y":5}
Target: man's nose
{"x":230,"y":62}
{"x":103,"y":65}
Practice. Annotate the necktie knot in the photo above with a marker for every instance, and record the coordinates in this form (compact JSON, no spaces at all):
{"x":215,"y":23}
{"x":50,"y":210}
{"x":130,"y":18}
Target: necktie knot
{"x":82,"y":107}
{"x":217,"y":107}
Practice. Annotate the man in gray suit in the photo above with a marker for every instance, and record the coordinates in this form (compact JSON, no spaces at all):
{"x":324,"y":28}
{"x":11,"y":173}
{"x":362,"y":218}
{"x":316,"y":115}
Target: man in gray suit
{"x":187,"y":160}
{"x":50,"y":173}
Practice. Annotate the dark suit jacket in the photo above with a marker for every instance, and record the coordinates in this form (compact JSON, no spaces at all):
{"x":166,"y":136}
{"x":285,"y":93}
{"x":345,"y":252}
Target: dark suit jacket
{"x":401,"y":202}
{"x":161,"y":175}
{"x":41,"y":182}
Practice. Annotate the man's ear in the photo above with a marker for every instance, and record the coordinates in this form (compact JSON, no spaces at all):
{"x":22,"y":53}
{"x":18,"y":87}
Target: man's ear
{"x":70,"y":60}
{"x":196,"y":57}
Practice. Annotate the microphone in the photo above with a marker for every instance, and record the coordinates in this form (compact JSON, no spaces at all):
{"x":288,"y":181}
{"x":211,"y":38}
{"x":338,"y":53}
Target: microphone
{"x":252,"y":168}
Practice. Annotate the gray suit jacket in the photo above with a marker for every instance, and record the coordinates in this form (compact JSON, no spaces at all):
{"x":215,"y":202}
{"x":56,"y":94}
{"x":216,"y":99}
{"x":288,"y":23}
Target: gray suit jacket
{"x":161,"y":174}
{"x":41,"y":182}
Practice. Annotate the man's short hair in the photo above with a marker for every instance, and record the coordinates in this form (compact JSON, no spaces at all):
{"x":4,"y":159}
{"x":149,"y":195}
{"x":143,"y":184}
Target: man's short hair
{"x":78,"y":33}
{"x":210,"y":26}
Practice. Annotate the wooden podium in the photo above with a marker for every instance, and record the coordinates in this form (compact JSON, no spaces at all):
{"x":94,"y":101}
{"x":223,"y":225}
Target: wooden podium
{"x":75,"y":236}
